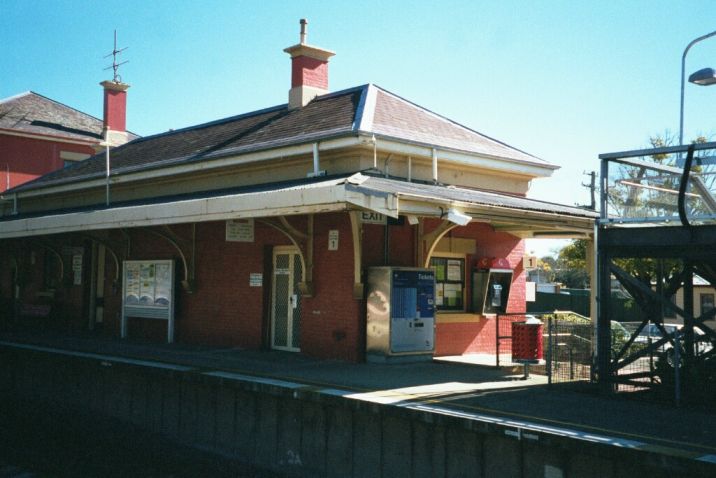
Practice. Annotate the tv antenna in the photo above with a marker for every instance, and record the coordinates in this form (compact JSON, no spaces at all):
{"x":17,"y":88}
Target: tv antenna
{"x":115,"y":66}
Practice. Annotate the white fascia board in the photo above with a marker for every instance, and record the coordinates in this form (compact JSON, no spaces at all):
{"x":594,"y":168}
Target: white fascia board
{"x":420,"y":206}
{"x":174,"y":170}
{"x":264,"y":204}
{"x":386,"y":204}
{"x":494,"y":163}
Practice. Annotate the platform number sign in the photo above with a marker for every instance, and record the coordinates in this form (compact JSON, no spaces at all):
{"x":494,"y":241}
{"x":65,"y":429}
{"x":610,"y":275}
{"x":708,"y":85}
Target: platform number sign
{"x":333,"y":240}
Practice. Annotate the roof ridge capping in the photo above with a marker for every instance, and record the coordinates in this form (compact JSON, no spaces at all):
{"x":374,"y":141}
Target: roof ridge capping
{"x":17,"y":96}
{"x":450,"y":121}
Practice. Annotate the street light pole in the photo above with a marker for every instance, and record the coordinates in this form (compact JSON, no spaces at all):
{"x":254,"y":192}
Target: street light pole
{"x":683,"y":81}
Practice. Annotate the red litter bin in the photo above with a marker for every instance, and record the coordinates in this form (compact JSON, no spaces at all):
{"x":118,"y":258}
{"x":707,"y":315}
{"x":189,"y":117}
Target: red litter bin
{"x":527,"y":340}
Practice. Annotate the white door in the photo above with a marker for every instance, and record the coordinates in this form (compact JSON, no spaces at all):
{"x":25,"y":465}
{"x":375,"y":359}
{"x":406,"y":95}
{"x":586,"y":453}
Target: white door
{"x":286,"y":299}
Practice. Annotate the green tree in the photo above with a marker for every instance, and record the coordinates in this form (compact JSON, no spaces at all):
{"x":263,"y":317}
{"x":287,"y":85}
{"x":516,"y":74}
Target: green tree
{"x":546,"y":268}
{"x":571,"y":267}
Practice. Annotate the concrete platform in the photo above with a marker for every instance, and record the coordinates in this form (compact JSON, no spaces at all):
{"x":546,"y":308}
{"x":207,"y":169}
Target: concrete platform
{"x":441,"y":387}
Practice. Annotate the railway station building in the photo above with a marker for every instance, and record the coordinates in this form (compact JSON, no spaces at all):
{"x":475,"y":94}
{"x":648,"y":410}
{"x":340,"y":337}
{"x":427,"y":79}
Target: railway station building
{"x":258,"y":231}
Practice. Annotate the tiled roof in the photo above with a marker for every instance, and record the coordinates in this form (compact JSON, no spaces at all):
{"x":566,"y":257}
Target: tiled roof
{"x":33,"y":113}
{"x":364,"y":109}
{"x":399,"y":118}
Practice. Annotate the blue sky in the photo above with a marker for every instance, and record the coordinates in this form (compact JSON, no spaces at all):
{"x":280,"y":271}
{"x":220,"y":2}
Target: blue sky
{"x":563,"y":80}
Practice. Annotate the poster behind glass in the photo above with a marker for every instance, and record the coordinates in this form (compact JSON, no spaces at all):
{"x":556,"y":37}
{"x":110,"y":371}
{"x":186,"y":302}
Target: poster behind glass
{"x":148,"y":283}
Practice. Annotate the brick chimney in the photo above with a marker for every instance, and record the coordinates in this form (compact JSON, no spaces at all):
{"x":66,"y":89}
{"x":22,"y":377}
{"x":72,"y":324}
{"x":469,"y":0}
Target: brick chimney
{"x":115,"y":112}
{"x":309,"y":71}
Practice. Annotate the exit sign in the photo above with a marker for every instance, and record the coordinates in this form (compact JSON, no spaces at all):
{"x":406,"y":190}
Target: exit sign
{"x":369,"y":217}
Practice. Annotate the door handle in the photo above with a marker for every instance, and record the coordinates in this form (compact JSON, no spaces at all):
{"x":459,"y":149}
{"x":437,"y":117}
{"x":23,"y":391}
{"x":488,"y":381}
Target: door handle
{"x":293,"y":301}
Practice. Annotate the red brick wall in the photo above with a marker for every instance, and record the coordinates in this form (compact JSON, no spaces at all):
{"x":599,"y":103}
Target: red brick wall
{"x":373,"y":245}
{"x":458,"y":337}
{"x":474,"y":337}
{"x":334,"y":322}
{"x":224,"y":311}
{"x":479,"y":337}
{"x":307,"y":71}
{"x":115,"y":109}
{"x":29,"y":158}
{"x":402,"y":245}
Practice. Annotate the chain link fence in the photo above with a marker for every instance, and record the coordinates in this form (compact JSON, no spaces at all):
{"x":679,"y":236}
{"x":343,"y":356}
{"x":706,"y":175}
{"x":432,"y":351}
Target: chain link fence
{"x":568,"y":346}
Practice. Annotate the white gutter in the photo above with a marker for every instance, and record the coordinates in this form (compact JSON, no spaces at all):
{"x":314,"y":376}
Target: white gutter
{"x":329,"y":196}
{"x":263,"y":204}
{"x":172,"y":170}
{"x":387,"y":145}
{"x":494,"y":163}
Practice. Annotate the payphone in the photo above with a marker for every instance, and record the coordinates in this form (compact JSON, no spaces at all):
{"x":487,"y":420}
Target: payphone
{"x":491,"y":282}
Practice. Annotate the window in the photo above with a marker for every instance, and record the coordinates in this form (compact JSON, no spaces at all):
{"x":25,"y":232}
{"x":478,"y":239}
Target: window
{"x":69,"y":158}
{"x":449,"y":283}
{"x":707,"y":302}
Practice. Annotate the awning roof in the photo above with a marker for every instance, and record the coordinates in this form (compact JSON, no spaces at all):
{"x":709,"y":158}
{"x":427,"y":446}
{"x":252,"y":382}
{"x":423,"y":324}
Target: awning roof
{"x":520,"y":216}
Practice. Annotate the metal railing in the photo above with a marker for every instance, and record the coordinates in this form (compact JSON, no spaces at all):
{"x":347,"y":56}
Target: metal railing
{"x":659,"y":186}
{"x":567,"y":343}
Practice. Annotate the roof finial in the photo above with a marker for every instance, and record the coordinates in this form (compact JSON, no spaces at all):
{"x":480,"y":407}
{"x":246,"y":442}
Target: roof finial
{"x":303,"y":22}
{"x":115,"y":66}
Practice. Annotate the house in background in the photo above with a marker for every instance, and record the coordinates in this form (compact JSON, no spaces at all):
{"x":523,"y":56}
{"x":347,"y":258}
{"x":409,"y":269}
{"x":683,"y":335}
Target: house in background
{"x":260,"y":230}
{"x":39,"y":135}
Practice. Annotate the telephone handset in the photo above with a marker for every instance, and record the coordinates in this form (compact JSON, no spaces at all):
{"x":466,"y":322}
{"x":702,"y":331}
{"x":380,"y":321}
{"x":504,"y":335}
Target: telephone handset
{"x":495,"y":295}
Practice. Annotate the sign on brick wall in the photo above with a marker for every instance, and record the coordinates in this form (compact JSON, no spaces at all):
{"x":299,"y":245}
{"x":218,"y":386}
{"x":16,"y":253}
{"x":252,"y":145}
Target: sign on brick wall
{"x":240,"y":230}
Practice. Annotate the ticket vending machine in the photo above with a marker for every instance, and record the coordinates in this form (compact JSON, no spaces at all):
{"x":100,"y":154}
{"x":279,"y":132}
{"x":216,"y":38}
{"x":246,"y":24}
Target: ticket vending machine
{"x":401,"y":314}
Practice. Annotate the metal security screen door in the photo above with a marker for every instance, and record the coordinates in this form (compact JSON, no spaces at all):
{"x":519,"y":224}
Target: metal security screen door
{"x":286,"y":299}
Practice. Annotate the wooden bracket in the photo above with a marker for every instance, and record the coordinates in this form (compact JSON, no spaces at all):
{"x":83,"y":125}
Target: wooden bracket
{"x":357,"y":232}
{"x":304,"y":243}
{"x":44,"y":245}
{"x":187,"y":252}
{"x":111,"y":246}
{"x":430,"y":240}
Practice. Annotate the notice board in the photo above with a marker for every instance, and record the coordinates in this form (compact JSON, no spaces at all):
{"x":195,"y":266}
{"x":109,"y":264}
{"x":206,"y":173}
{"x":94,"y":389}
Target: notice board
{"x":148,"y":292}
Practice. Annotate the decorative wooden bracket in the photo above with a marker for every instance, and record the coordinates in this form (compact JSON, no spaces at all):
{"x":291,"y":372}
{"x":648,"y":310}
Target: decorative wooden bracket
{"x":111,"y":246}
{"x":430,"y":240}
{"x":357,"y":232}
{"x":304,"y":243}
{"x":43,"y":245}
{"x":187,"y":252}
